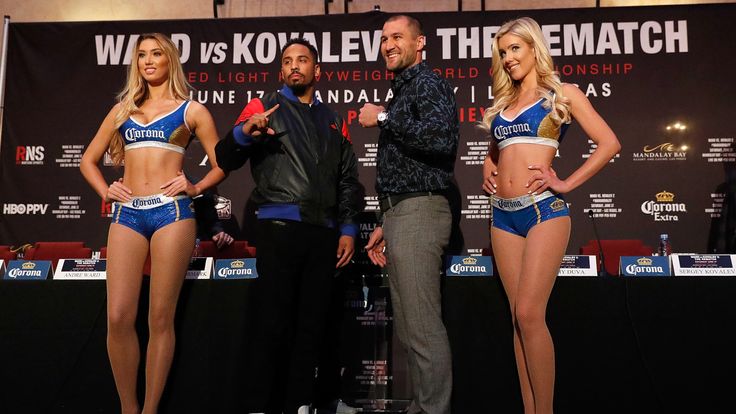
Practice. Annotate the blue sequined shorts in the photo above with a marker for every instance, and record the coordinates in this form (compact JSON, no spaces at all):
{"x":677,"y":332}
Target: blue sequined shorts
{"x":145,"y":215}
{"x":518,"y":215}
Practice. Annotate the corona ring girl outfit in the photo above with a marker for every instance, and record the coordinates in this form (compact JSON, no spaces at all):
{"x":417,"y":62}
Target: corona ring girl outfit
{"x":532,"y":125}
{"x":147,"y":214}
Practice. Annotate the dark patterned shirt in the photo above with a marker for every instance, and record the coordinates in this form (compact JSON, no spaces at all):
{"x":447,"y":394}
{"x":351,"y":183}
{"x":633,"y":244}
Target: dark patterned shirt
{"x":418,"y":142}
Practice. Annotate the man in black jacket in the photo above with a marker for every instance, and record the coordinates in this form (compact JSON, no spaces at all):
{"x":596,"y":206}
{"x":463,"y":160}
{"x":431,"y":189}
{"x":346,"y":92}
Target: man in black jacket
{"x":307,"y":193}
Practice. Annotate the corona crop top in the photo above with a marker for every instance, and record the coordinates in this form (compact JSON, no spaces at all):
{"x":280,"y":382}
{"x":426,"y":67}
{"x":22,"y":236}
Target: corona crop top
{"x":169,"y":131}
{"x":532,"y":125}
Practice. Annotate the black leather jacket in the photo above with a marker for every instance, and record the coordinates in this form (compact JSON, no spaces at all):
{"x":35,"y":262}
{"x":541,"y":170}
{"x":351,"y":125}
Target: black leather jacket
{"x":309,"y":162}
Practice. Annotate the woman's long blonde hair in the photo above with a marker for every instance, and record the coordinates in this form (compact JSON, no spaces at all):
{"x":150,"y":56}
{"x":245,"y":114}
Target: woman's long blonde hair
{"x":506,"y":90}
{"x":136,"y":91}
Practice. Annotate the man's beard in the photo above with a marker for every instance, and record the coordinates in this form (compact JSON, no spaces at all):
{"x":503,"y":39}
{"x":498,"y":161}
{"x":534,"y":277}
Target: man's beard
{"x":299,"y":89}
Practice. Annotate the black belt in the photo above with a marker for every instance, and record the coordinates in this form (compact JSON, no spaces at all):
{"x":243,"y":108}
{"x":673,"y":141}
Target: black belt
{"x":385,"y":202}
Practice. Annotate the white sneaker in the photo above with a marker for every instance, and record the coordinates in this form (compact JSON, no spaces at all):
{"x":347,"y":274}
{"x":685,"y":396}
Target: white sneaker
{"x":304,"y":409}
{"x":343,"y":408}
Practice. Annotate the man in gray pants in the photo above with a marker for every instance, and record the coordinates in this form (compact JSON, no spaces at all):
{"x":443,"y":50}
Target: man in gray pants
{"x":416,"y":157}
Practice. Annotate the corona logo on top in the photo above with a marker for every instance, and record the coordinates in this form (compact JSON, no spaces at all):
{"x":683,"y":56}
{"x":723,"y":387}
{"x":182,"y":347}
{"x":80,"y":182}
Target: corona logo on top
{"x":663,"y":207}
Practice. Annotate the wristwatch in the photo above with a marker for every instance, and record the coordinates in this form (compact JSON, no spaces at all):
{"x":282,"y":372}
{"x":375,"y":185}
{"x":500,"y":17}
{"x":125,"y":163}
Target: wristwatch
{"x":382,"y":118}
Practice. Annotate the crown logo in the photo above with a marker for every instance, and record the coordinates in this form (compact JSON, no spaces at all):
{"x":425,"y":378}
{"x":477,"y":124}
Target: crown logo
{"x":665,"y":197}
{"x":470,"y":260}
{"x":28,"y":265}
{"x":237,"y":264}
{"x":557,"y":205}
{"x":644,"y":261}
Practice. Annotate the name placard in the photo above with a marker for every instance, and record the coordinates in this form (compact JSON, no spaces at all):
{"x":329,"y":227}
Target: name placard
{"x":644,"y":266}
{"x":200,"y":268}
{"x":81,"y":269}
{"x":468,"y":266}
{"x":28,"y":270}
{"x":235,"y":269}
{"x":578,"y":265}
{"x":703,"y":264}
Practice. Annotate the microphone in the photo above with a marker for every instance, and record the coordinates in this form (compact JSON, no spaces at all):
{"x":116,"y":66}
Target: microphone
{"x":603,"y":272}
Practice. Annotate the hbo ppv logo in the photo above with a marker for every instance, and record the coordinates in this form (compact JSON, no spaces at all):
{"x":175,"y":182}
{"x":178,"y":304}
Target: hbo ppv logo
{"x":11,"y":208}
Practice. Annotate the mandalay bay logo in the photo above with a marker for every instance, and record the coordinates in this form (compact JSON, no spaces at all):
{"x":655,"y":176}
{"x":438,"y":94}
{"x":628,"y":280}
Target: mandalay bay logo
{"x":664,"y":208}
{"x":662,"y":152}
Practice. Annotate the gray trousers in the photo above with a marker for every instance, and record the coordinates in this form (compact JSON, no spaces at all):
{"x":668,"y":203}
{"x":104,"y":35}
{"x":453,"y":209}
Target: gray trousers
{"x":416,"y":231}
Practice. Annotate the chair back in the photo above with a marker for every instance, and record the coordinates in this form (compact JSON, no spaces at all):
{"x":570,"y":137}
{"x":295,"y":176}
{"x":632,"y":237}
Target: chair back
{"x":614,"y":249}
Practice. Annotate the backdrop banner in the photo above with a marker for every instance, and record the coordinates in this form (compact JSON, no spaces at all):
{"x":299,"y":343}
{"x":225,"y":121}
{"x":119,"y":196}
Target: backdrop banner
{"x":651,"y":72}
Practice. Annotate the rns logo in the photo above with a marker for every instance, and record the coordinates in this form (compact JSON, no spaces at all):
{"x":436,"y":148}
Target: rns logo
{"x":11,"y":208}
{"x":29,"y":155}
{"x":105,"y":208}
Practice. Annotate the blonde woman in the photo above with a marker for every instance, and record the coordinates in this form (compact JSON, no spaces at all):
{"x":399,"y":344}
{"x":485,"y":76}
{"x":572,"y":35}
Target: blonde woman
{"x":531,"y":222}
{"x":149,"y":128}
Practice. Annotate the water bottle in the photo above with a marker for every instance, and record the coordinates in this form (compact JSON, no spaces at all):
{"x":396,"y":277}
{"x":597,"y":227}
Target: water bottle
{"x":665,"y":249}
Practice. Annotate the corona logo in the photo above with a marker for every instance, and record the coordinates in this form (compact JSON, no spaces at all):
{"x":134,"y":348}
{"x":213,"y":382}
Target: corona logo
{"x":664,"y":207}
{"x":665,"y":197}
{"x":237,"y":269}
{"x":132,"y":134}
{"x":468,"y":265}
{"x":470,"y":261}
{"x":28,"y":266}
{"x":644,"y":261}
{"x":146,"y":202}
{"x":633,"y":269}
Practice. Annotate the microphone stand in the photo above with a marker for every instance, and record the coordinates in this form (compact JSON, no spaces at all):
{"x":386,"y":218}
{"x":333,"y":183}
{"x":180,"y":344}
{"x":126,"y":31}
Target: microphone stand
{"x":603,"y":272}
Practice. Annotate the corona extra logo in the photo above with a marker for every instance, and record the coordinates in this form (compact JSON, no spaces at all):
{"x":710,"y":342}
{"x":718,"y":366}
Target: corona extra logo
{"x":665,"y":197}
{"x":644,"y":261}
{"x":663,"y":208}
{"x":236,"y":264}
{"x":470,"y":261}
{"x":28,"y":266}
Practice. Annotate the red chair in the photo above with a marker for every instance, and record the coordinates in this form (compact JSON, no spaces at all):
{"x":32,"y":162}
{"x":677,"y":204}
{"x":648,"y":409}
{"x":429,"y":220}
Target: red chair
{"x":54,"y":251}
{"x":6,"y":254}
{"x":614,"y":249}
{"x":236,"y":250}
